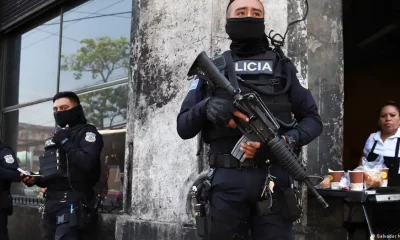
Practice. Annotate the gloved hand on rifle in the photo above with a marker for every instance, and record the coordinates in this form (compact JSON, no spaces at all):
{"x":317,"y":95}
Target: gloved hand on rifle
{"x":221,"y":112}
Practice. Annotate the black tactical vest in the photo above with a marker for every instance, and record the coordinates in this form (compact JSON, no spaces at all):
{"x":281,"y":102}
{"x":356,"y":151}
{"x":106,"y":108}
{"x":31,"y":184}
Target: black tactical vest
{"x":53,"y":161}
{"x":269,"y":75}
{"x":53,"y":165}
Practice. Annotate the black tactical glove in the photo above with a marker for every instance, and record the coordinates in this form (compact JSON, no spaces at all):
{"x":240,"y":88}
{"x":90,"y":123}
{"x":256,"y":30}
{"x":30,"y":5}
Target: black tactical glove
{"x":219,"y":111}
{"x":290,"y":141}
{"x":61,"y":135}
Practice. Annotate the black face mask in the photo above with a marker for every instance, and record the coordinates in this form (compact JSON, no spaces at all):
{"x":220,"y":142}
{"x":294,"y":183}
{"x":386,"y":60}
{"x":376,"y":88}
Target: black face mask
{"x":70,"y":117}
{"x":247,"y":35}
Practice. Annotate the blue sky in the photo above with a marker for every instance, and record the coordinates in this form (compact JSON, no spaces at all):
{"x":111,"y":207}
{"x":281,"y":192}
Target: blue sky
{"x":39,"y":53}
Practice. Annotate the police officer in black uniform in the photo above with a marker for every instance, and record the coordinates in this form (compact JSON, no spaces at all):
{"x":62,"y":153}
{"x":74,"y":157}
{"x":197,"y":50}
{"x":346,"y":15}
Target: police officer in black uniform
{"x":8,"y":174}
{"x":236,"y":186}
{"x":70,"y":167}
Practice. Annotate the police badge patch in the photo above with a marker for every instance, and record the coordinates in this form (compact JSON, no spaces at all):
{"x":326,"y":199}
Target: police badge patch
{"x":49,"y":143}
{"x":9,"y":159}
{"x":302,"y":81}
{"x":194,"y":84}
{"x":90,"y":137}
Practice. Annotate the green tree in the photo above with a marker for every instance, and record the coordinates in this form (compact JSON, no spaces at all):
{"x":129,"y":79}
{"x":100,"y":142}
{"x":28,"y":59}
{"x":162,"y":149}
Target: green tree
{"x":101,"y":57}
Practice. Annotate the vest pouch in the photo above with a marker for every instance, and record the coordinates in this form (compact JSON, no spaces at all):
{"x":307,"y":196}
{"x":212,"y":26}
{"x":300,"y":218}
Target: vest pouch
{"x":52,"y":163}
{"x":290,"y":210}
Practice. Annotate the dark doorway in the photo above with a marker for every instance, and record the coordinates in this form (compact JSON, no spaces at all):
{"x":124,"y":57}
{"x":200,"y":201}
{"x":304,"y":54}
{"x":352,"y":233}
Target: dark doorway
{"x":371,"y":32}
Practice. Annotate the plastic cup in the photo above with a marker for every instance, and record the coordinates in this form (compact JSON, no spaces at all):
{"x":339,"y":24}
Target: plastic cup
{"x":385,"y":172}
{"x":335,"y":177}
{"x":356,"y":180}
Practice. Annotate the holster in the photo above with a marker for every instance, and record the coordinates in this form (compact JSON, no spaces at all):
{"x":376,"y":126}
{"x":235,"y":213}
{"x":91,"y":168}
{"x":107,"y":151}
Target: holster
{"x":201,"y":219}
{"x":202,"y":208}
{"x":6,"y":203}
{"x":81,"y":218}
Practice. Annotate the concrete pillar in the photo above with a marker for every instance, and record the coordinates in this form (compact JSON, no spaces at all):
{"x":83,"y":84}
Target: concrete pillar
{"x":160,"y":167}
{"x":325,"y":74}
{"x":296,"y":43}
{"x":317,"y":50}
{"x":166,"y":37}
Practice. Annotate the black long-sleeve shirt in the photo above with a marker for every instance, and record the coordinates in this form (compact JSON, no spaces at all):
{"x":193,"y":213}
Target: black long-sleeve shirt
{"x":83,"y":162}
{"x":8,"y":167}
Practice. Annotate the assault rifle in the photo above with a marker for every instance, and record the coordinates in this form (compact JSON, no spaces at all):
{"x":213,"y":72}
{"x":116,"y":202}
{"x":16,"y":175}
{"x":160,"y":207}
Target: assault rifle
{"x":261,"y":124}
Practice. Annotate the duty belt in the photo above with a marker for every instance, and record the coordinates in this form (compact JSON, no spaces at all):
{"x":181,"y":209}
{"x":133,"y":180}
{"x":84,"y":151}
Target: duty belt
{"x":228,"y":161}
{"x":66,"y":195}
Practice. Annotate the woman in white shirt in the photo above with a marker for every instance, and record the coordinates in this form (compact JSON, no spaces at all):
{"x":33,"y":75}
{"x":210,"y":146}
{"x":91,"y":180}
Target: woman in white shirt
{"x":386,"y":142}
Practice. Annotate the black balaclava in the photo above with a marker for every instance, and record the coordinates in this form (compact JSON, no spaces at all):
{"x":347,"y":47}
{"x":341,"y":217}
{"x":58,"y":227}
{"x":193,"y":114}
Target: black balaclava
{"x":247,"y":35}
{"x":71,"y":117}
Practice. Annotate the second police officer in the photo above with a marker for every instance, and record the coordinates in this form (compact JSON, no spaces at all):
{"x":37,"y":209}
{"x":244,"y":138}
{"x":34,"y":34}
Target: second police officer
{"x":70,"y":167}
{"x":8,"y":174}
{"x":236,"y":187}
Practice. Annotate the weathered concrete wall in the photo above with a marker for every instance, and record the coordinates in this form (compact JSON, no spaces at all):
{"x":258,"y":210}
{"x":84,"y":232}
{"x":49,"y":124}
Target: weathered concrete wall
{"x":296,"y":43}
{"x":325,"y":74}
{"x":164,"y":165}
{"x":167,"y":36}
{"x":315,"y":47}
{"x":324,"y":70}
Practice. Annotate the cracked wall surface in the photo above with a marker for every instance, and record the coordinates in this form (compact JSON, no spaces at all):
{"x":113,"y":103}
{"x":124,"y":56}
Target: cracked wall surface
{"x":325,"y":73}
{"x":169,"y":36}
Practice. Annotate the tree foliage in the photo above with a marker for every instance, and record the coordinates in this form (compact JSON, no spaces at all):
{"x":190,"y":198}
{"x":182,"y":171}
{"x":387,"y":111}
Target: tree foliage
{"x":101,"y":57}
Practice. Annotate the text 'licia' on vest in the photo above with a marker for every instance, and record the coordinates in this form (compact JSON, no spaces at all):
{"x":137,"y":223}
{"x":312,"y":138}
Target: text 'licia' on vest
{"x":254,"y":67}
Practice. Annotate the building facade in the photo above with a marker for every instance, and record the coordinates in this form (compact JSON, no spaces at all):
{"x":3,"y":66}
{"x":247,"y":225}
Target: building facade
{"x":53,"y":46}
{"x":127,"y":60}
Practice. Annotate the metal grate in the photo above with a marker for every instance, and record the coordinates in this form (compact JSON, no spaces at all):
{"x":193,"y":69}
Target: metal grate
{"x":27,"y":200}
{"x":12,"y":11}
{"x":113,"y":206}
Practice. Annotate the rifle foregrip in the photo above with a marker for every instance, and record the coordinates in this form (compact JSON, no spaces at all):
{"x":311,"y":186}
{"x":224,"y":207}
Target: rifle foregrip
{"x":285,"y":156}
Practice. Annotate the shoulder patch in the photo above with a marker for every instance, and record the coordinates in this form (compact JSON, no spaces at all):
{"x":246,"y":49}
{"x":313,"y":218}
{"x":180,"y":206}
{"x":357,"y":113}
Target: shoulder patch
{"x":9,"y":159}
{"x":90,"y":137}
{"x":49,"y":142}
{"x":194,"y":84}
{"x":302,"y":81}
